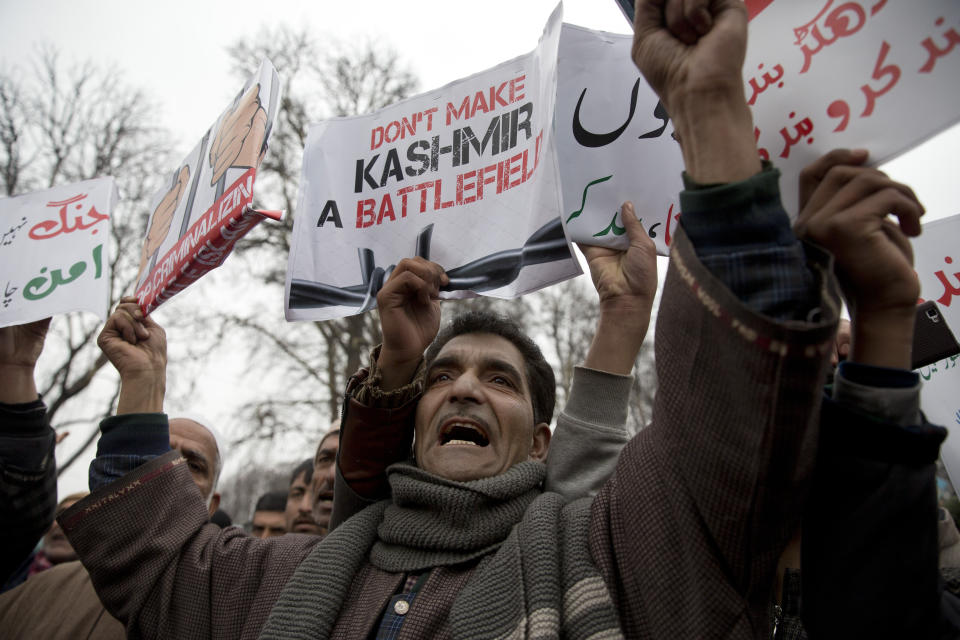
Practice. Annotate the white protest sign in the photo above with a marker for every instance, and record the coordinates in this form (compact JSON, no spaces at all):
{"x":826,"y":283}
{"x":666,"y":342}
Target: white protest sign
{"x":819,"y":75}
{"x":205,"y":206}
{"x":55,"y":251}
{"x":937,"y":263}
{"x":465,"y":176}
{"x":613,"y":143}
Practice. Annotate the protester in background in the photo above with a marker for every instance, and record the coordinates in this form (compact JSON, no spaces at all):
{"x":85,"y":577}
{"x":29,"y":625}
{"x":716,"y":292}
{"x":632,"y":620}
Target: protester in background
{"x":60,"y":603}
{"x":200,"y":446}
{"x":269,"y":518}
{"x":56,"y":548}
{"x":324,"y":472}
{"x":221,"y":518}
{"x":299,"y":509}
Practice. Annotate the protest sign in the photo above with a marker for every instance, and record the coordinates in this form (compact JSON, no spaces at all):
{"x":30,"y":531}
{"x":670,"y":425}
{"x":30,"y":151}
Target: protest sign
{"x":206,"y":204}
{"x":613,"y":143}
{"x":465,"y":176}
{"x":937,"y":263}
{"x":869,"y":73}
{"x":55,"y":250}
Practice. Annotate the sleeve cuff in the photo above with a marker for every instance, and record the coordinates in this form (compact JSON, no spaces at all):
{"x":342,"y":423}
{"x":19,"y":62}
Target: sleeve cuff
{"x":891,"y":395}
{"x":735,"y":217}
{"x":598,"y":397}
{"x":369,"y":393}
{"x":141,"y":434}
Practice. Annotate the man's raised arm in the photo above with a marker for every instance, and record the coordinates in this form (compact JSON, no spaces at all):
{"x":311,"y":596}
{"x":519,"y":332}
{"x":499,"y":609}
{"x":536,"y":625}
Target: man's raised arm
{"x":869,"y":529}
{"x":703,"y":501}
{"x":143,"y":532}
{"x":28,"y":474}
{"x":137,"y":348}
{"x":591,"y":429}
{"x":377,"y":421}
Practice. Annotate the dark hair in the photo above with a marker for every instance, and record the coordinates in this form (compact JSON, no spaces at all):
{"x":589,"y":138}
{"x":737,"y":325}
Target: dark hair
{"x":540,"y":378}
{"x":221,"y":518}
{"x":306,"y":468}
{"x":272,"y":501}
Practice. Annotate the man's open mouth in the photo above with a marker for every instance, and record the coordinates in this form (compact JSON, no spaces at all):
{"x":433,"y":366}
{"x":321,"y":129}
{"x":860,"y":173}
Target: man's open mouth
{"x":455,"y":432}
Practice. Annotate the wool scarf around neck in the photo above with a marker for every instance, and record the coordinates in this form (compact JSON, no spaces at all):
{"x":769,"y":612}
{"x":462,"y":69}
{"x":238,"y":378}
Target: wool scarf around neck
{"x":432,"y":521}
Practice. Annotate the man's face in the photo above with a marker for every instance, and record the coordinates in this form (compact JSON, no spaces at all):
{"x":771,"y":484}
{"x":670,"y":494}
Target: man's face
{"x":324,"y":471}
{"x":267,"y":524}
{"x":475,"y":418}
{"x":299,"y":516}
{"x":198,"y":446}
{"x":56,"y":547}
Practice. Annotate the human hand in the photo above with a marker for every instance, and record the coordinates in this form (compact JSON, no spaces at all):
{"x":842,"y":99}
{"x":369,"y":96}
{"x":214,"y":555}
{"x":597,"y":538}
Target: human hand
{"x":844,"y":209}
{"x":409,"y":307}
{"x":240,"y":137}
{"x":692,"y":47}
{"x":841,"y":349}
{"x":137,"y":348}
{"x":626,"y":282}
{"x":691,"y":52}
{"x":20,"y":348}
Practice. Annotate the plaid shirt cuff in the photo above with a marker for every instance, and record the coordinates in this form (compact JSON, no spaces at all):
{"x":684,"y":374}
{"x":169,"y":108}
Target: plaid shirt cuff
{"x":743,"y":236}
{"x":126,"y":442}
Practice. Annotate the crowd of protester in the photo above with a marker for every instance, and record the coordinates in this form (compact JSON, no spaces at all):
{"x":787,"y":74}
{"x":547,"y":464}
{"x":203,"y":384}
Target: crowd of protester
{"x":761,"y":501}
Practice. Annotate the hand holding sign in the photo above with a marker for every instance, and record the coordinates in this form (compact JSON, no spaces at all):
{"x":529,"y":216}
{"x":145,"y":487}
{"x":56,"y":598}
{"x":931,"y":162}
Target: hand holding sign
{"x":409,"y":305}
{"x":626,"y":282}
{"x":137,"y":347}
{"x":20,"y":348}
{"x":846,"y":213}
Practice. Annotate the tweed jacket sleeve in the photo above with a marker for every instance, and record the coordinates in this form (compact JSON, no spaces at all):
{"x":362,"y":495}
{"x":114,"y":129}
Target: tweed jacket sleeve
{"x":688,"y":529}
{"x":28,"y":481}
{"x":163,"y":571}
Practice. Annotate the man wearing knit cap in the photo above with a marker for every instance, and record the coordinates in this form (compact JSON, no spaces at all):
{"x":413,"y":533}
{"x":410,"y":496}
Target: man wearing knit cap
{"x":682,"y":541}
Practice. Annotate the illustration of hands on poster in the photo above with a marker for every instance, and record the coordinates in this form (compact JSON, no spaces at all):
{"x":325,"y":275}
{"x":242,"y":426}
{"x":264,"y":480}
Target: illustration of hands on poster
{"x":204,"y":207}
{"x":55,"y":248}
{"x":465,"y":176}
{"x":937,"y":263}
{"x":818,"y":75}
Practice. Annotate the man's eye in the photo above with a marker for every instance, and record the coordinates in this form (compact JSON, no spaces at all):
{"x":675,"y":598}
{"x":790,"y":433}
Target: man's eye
{"x":440,"y":377}
{"x":502,"y":380}
{"x":196,"y":466}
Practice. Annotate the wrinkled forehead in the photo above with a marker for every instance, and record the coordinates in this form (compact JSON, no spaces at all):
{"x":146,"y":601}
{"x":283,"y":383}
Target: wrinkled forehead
{"x":187,"y":434}
{"x":484,"y":351}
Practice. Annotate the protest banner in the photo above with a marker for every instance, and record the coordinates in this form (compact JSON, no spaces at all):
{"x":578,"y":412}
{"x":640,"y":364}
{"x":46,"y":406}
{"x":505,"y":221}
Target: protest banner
{"x":55,"y":250}
{"x":465,"y":176}
{"x":206,"y":205}
{"x":937,"y":263}
{"x":818,"y":75}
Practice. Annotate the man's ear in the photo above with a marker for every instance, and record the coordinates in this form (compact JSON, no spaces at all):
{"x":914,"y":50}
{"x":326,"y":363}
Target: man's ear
{"x":541,"y":442}
{"x":214,"y":503}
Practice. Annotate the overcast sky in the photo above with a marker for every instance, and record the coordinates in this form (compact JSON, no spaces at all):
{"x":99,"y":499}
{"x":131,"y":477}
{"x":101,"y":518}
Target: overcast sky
{"x":176,"y":51}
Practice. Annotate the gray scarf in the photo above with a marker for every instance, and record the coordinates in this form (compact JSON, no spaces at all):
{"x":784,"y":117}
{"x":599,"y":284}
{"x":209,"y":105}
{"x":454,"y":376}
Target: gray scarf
{"x":539,"y":572}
